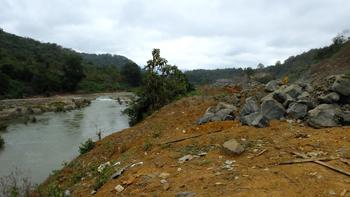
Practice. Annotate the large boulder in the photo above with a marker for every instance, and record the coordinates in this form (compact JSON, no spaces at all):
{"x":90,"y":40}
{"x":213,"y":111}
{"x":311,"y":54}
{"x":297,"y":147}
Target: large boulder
{"x":250,"y":106}
{"x":271,"y":86}
{"x":324,"y":115}
{"x":345,"y":118}
{"x":329,"y":98}
{"x":341,"y":85}
{"x":272,"y":109}
{"x":220,"y":112}
{"x":293,"y":90}
{"x":255,"y":119}
{"x":297,"y":110}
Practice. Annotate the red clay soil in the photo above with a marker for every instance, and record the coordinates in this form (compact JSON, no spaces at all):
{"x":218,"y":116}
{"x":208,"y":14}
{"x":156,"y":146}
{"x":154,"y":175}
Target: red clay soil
{"x":256,"y":172}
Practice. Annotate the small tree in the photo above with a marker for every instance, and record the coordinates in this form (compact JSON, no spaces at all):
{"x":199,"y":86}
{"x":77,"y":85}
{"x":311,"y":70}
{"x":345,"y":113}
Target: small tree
{"x":162,"y":84}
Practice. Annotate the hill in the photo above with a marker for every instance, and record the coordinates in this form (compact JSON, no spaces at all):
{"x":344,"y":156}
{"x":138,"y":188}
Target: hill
{"x":29,"y":67}
{"x":105,"y":59}
{"x":310,"y":65}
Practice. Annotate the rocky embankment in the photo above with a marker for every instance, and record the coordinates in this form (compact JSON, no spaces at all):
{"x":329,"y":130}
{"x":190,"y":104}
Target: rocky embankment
{"x":320,"y":106}
{"x":27,"y":108}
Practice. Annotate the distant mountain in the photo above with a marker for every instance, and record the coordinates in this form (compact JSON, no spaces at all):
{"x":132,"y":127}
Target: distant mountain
{"x":29,"y":67}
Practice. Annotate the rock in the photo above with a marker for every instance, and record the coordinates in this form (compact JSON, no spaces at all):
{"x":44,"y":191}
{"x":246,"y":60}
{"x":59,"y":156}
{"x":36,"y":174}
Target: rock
{"x":306,"y":86}
{"x":220,"y":112}
{"x":304,"y":96}
{"x":341,"y":85}
{"x":293,"y":90}
{"x":324,"y":115}
{"x":271,"y":109}
{"x":329,"y":98}
{"x":66,"y":193}
{"x":164,"y":175}
{"x":249,"y":107}
{"x":297,"y":110}
{"x":280,"y":96}
{"x":255,"y":119}
{"x":185,"y":158}
{"x":233,"y":146}
{"x":206,"y":118}
{"x":345,"y":118}
{"x":271,"y":86}
{"x":93,"y":192}
{"x":185,"y":194}
{"x":119,"y":188}
{"x":103,"y":166}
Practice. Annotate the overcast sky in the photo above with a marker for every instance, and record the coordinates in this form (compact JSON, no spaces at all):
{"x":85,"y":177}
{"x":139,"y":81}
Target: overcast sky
{"x":190,"y":33}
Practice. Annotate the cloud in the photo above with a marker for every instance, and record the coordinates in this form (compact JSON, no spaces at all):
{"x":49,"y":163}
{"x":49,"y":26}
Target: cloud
{"x":190,"y":33}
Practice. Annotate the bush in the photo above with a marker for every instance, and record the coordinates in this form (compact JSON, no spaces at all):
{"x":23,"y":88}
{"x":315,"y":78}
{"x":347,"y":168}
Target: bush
{"x":2,"y":142}
{"x":86,"y":146}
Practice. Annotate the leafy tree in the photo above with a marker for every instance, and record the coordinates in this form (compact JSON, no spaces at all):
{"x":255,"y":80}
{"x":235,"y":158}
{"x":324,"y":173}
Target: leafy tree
{"x":131,"y":73}
{"x":73,"y":72}
{"x":162,"y":84}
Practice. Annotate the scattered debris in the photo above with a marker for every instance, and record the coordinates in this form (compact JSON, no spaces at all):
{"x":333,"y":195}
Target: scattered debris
{"x":119,"y":188}
{"x":185,"y":194}
{"x":103,"y":166}
{"x":164,"y":175}
{"x":324,"y":164}
{"x":186,"y":158}
{"x":294,"y":161}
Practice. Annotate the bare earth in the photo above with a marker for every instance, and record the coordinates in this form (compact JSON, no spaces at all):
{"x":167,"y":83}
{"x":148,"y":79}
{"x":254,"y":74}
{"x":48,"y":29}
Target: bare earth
{"x":256,"y":172}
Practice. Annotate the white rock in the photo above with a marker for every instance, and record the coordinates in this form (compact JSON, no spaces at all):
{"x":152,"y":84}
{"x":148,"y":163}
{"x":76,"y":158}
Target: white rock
{"x":119,"y":188}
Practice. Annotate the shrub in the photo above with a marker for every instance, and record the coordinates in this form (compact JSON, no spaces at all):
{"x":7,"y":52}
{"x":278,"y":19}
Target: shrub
{"x":86,"y":146}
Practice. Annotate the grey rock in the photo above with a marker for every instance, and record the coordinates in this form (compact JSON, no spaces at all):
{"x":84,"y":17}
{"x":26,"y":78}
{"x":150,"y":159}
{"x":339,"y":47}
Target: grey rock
{"x":304,"y":96}
{"x":271,"y":86}
{"x":255,"y":119}
{"x":206,"y":118}
{"x":280,"y":96}
{"x":250,"y":106}
{"x":329,"y":98}
{"x":271,"y":109}
{"x":288,"y":101}
{"x":341,"y":85}
{"x":297,"y":110}
{"x":324,"y":115}
{"x":233,"y":146}
{"x":185,"y":158}
{"x":293,"y":90}
{"x":185,"y":194}
{"x":345,"y":118}
{"x":220,"y":112}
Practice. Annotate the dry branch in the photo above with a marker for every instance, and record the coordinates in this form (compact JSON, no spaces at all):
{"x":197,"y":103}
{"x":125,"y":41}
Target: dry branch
{"x":336,"y":169}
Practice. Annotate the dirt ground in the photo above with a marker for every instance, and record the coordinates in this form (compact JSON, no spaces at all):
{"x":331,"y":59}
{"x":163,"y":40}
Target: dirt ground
{"x":256,"y":172}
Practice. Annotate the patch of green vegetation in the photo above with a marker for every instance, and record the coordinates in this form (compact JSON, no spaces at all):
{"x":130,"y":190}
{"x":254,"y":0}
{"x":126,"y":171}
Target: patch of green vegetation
{"x":147,"y":145}
{"x":55,"y":191}
{"x":86,"y":146}
{"x":195,"y":149}
{"x":205,"y":162}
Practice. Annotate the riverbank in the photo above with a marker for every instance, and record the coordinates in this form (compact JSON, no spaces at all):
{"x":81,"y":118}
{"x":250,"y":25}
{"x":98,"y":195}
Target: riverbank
{"x":168,"y":154}
{"x":35,"y":149}
{"x":26,"y":109}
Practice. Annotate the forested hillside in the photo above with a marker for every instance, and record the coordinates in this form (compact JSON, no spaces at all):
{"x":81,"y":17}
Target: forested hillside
{"x":310,"y":64}
{"x":29,"y":67}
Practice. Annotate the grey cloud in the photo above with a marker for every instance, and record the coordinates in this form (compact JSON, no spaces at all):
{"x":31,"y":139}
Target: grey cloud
{"x":190,"y":33}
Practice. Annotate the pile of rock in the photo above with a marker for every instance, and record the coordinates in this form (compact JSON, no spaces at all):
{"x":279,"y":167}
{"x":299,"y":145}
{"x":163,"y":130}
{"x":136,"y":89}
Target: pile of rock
{"x":220,"y":112}
{"x":328,"y":107}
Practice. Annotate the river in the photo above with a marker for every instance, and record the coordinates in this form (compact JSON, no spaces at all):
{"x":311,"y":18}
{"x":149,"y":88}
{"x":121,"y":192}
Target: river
{"x":36,"y":149}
